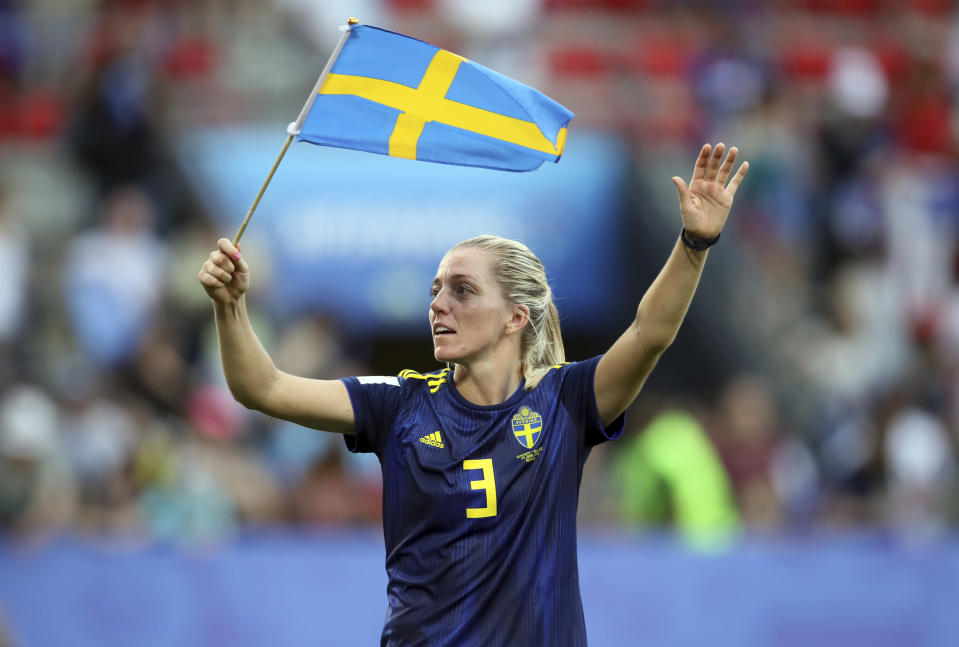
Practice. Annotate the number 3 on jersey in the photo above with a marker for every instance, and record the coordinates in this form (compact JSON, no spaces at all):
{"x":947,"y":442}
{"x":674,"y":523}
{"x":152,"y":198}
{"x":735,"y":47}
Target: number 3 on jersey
{"x":488,"y":483}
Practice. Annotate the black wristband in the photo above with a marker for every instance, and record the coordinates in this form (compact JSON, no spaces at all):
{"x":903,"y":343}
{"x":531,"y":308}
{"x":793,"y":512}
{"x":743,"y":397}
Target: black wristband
{"x":699,"y":244}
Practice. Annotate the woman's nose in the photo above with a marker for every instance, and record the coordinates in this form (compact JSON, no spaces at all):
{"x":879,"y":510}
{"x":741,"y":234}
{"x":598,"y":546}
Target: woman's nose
{"x":439,"y":303}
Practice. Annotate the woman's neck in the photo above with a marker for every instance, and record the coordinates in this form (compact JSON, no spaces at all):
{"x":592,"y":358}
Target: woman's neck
{"x":488,"y":383}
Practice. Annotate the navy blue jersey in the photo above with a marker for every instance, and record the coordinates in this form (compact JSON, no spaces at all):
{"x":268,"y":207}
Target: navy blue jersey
{"x":479,"y":506}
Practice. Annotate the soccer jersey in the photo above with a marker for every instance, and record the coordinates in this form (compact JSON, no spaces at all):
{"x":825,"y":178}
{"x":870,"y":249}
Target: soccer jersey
{"x":479,"y":506}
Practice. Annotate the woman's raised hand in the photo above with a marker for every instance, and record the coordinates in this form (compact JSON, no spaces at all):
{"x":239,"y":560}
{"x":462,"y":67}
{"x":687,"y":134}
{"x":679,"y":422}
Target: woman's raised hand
{"x":225,"y":275}
{"x":705,"y":201}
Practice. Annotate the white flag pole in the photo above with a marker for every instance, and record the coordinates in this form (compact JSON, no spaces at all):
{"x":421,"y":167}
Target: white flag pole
{"x":295,"y":127}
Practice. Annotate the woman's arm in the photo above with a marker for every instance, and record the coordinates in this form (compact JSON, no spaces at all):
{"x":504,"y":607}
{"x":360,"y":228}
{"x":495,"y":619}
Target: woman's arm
{"x":704,"y":205}
{"x":251,"y":375}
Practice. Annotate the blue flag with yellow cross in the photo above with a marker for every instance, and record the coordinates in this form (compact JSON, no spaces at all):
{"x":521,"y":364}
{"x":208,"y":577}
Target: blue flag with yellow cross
{"x":394,"y":95}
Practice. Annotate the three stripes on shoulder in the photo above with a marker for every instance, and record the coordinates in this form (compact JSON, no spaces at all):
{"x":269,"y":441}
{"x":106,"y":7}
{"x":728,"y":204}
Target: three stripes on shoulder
{"x":433,"y":380}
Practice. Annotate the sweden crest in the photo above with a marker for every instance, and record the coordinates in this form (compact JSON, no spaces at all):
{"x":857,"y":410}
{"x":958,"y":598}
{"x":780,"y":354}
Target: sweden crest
{"x":527,"y":425}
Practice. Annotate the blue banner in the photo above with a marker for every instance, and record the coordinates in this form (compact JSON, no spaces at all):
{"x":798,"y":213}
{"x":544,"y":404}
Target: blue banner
{"x":329,"y":588}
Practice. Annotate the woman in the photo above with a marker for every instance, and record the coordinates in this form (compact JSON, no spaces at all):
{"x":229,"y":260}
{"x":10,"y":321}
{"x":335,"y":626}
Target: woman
{"x":482,"y":460}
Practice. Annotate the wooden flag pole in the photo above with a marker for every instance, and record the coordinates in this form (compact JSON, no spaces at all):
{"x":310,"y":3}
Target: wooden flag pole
{"x":256,"y":201}
{"x":294,"y":128}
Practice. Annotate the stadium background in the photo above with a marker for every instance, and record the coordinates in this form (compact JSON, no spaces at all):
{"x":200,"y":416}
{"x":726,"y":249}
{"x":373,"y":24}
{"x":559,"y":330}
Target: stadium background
{"x":789,"y":475}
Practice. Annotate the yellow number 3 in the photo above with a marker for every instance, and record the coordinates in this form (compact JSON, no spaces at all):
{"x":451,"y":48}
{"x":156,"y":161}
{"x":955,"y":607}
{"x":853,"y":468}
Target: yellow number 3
{"x":488,"y":483}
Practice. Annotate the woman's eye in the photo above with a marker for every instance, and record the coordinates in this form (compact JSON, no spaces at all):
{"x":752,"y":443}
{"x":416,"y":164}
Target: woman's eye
{"x":463,"y":289}
{"x":434,"y":292}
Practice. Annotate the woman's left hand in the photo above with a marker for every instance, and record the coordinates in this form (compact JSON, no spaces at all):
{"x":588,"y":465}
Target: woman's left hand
{"x":705,"y":201}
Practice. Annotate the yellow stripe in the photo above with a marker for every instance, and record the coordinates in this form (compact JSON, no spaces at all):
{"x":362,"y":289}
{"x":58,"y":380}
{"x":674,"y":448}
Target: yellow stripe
{"x":430,"y":107}
{"x":433,"y":380}
{"x":405,"y":135}
{"x":439,"y":74}
{"x":561,"y":140}
{"x":411,"y":374}
{"x":433,"y":87}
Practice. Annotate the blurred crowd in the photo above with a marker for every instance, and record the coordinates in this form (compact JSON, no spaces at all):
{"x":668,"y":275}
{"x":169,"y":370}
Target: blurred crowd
{"x":114,"y":417}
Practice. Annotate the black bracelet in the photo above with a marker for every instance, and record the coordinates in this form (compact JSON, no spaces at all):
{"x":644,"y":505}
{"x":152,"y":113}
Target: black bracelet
{"x":699,"y":244}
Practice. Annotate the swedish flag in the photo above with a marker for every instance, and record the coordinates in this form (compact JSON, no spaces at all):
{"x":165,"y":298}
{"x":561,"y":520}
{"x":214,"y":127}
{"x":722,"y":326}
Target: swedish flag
{"x":390,"y":94}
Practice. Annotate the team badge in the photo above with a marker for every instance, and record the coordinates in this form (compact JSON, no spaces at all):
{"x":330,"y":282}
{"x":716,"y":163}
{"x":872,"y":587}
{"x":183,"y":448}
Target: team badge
{"x":527,"y":425}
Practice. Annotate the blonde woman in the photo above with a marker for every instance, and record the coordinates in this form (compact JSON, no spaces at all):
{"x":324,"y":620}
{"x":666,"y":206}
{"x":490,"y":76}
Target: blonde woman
{"x":482,"y":460}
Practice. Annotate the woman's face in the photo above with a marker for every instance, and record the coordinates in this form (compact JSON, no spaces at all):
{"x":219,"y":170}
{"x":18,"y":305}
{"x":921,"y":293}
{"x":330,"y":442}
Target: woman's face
{"x":468,"y":314}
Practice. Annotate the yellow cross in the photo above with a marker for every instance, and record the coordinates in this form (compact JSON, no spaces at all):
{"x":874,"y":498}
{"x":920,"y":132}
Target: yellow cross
{"x":428,"y":102}
{"x":527,"y":433}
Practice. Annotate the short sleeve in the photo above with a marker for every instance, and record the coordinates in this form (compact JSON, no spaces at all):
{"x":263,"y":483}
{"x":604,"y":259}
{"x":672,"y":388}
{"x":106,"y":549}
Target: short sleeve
{"x":579,"y":398}
{"x":376,"y":402}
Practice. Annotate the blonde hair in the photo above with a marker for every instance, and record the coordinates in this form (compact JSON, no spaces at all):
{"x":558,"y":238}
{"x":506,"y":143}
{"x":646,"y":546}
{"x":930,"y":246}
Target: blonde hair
{"x":522,"y":278}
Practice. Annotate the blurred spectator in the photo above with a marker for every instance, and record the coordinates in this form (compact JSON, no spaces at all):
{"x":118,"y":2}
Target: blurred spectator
{"x":852,"y":472}
{"x":293,"y":450}
{"x":857,"y":84}
{"x":775,"y":214}
{"x":923,"y":116}
{"x":208,"y":485}
{"x":101,"y":437}
{"x":12,"y":40}
{"x":670,"y":474}
{"x":14,"y":267}
{"x":116,"y":134}
{"x":113,"y":278}
{"x":921,"y":471}
{"x":36,"y":488}
{"x":120,"y":132}
{"x":327,"y":495}
{"x":764,"y":473}
{"x":856,"y":349}
{"x":217,"y":420}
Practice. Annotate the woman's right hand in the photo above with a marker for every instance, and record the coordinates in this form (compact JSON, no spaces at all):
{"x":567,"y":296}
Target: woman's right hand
{"x":225,"y":275}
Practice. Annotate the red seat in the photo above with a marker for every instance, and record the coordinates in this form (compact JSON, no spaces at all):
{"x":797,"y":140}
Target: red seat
{"x":191,"y":58}
{"x":806,"y":62}
{"x":410,"y":5}
{"x":579,"y":61}
{"x":609,"y":5}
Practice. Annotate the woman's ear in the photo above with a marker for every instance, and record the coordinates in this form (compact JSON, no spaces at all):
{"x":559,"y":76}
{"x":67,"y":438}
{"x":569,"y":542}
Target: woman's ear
{"x":518,"y":320}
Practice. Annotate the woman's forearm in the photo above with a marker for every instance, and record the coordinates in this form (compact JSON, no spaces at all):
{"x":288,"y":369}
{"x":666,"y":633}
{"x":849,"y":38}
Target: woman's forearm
{"x":663,"y":308}
{"x":248,"y":368}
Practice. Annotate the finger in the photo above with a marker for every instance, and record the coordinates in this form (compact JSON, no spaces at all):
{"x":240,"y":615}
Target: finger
{"x":220,"y":259}
{"x":712,"y":167}
{"x":727,"y":166}
{"x":228,"y":248}
{"x":217,"y":272}
{"x":681,"y":188}
{"x":738,"y":178}
{"x":240,"y":262}
{"x":700,"y":169}
{"x":210,"y":281}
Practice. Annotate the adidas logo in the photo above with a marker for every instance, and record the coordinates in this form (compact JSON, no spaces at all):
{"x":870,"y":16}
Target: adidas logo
{"x":433,"y":440}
